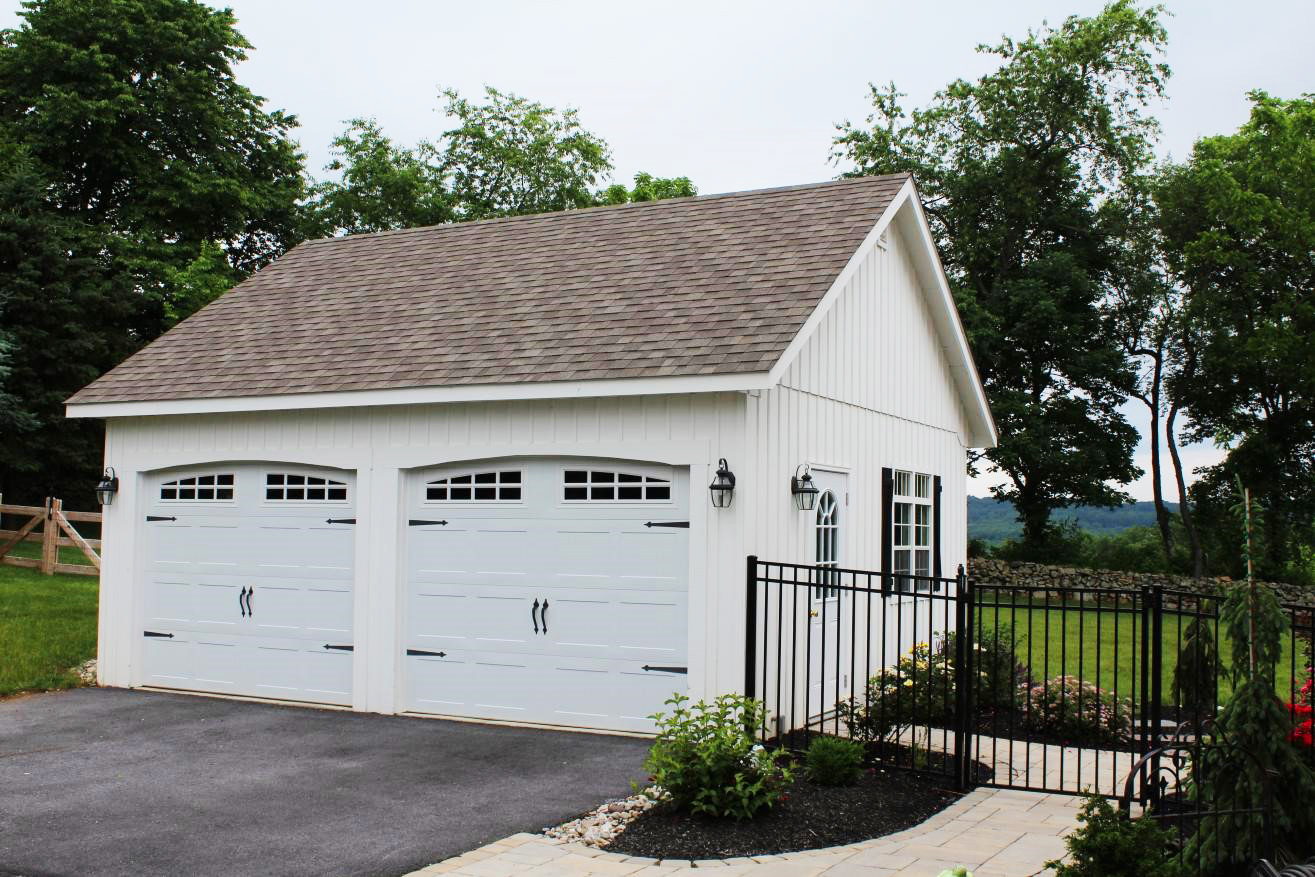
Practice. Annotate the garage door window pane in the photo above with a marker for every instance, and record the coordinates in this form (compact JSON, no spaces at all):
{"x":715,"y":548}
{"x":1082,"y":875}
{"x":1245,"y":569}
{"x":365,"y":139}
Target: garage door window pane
{"x":291,"y":487}
{"x":613,"y":487}
{"x":198,"y":488}
{"x":476,"y":487}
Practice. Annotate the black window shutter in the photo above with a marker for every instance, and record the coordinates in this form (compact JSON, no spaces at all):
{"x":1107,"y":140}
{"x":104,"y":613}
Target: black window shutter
{"x":936,"y":528}
{"x":887,"y":521}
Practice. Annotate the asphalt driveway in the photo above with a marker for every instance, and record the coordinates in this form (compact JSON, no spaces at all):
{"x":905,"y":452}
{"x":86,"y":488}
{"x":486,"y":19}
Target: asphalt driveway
{"x":110,"y":782}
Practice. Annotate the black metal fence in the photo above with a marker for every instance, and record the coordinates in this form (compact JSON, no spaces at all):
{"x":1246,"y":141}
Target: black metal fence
{"x":1049,"y":689}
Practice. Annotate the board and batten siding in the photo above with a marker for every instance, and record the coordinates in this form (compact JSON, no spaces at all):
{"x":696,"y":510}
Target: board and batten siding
{"x":381,"y":445}
{"x":871,"y":388}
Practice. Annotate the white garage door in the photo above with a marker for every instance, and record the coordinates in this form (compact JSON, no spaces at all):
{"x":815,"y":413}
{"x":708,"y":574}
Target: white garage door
{"x":248,"y":582}
{"x":547,"y":590}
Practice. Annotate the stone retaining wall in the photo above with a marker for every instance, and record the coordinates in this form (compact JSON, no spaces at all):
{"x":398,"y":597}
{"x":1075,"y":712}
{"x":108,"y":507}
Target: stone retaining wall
{"x":1020,"y":574}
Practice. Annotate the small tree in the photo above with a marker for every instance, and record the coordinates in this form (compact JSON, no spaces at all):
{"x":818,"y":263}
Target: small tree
{"x":1196,"y":678}
{"x":1257,"y":775}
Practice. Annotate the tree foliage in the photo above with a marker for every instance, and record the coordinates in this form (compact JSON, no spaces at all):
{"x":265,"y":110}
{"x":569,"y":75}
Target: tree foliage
{"x":648,"y":188}
{"x":1239,"y":223}
{"x":1015,"y":171}
{"x":140,"y":177}
{"x":507,"y":156}
{"x":69,"y":313}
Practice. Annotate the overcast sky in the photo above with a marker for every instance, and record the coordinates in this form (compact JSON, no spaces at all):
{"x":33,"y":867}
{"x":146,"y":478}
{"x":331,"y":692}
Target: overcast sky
{"x":733,"y":95}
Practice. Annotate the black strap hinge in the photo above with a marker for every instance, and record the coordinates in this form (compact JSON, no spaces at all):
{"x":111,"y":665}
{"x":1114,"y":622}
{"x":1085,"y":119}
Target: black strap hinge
{"x":666,"y":669}
{"x":684,"y":525}
{"x":340,"y":521}
{"x":415,"y":523}
{"x":426,"y":654}
{"x":157,"y":633}
{"x":339,"y":648}
{"x":159,"y":518}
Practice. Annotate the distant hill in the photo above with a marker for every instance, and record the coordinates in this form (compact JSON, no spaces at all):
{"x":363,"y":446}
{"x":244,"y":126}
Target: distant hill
{"x":992,"y":520}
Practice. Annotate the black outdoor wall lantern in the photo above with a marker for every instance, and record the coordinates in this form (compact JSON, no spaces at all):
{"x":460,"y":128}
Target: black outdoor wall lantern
{"x":803,"y":489}
{"x":722,"y":487}
{"x":108,"y":486}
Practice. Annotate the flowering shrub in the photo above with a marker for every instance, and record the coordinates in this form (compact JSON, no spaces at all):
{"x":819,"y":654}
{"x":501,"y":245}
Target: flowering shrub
{"x":919,"y":689}
{"x":1076,"y":711}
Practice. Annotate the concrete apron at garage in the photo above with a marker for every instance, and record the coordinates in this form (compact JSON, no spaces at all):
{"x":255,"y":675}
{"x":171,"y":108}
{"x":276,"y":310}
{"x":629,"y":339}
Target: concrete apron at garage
{"x":110,"y":782}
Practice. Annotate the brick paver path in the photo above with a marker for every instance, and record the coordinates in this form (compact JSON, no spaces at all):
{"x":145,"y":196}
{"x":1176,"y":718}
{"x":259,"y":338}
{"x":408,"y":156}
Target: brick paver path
{"x":994,"y":832}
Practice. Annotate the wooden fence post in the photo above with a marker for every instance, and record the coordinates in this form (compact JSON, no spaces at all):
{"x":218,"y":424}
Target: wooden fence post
{"x":50,"y":537}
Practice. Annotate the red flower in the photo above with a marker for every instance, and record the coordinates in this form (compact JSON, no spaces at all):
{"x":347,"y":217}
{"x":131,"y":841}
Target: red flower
{"x":1303,"y":734}
{"x":1300,"y":711}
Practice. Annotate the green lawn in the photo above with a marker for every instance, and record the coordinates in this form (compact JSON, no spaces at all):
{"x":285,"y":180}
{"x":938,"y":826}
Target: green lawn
{"x":47,"y":627}
{"x":1064,"y":640}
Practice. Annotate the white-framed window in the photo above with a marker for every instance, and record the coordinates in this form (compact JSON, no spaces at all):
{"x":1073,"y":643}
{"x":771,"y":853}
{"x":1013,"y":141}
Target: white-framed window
{"x":500,"y":486}
{"x":294,"y":487}
{"x":199,"y":488}
{"x":599,"y":485}
{"x":911,"y":526}
{"x":826,"y":534}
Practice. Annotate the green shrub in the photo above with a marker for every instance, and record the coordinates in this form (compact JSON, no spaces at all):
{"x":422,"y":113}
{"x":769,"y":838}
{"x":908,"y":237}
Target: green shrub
{"x":705,"y":757}
{"x":1109,"y":844}
{"x":834,"y":761}
{"x":1077,"y":712}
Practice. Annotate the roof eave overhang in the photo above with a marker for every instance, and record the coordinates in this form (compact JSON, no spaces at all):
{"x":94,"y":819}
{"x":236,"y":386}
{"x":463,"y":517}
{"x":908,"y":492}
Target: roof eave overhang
{"x":639,"y":386}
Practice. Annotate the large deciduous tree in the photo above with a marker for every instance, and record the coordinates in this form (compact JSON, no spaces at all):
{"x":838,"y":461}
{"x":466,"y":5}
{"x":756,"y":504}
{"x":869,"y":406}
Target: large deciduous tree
{"x":1015,"y":170}
{"x":1239,"y":224}
{"x":69,"y":313}
{"x":140,"y":179}
{"x":507,"y":156}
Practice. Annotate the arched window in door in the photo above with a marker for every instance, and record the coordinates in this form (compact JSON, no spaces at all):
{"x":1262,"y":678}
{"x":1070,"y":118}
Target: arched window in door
{"x":827,"y":535}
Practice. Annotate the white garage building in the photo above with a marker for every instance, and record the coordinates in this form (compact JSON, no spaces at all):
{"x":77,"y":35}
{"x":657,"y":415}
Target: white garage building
{"x":464,"y":470}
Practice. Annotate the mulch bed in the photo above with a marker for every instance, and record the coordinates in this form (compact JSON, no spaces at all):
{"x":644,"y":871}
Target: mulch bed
{"x":881,"y":802}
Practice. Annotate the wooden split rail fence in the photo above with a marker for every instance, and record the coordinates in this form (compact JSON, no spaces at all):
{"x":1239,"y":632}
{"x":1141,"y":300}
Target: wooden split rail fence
{"x":52,"y":527}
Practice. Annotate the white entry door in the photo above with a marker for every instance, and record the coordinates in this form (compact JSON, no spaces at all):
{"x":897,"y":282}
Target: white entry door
{"x":247,"y":584}
{"x":547,"y":590}
{"x":829,"y":605}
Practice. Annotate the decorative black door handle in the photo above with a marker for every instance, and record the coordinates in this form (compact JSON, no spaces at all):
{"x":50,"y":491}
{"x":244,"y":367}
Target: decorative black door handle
{"x":683,"y":525}
{"x":646,"y":668}
{"x":413,"y":522}
{"x":157,"y":633}
{"x":241,"y":602}
{"x":339,"y":648}
{"x":543,"y":615}
{"x":159,"y":518}
{"x":251,"y":592}
{"x":340,"y":520}
{"x":424,"y":653}
{"x":534,"y":618}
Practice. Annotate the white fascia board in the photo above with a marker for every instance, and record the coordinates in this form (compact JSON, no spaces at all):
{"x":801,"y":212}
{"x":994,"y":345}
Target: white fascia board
{"x":981,"y":428}
{"x":428,"y":395}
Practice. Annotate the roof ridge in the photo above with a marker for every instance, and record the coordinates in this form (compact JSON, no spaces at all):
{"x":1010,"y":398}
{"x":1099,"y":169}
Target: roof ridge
{"x":664,"y":203}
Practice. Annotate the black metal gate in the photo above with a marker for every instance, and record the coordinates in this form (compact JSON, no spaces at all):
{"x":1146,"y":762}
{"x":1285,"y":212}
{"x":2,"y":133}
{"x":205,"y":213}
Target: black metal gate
{"x":1051,"y":689}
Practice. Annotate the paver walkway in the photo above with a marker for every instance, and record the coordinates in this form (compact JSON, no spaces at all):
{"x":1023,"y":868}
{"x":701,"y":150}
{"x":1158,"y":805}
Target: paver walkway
{"x":994,"y":832}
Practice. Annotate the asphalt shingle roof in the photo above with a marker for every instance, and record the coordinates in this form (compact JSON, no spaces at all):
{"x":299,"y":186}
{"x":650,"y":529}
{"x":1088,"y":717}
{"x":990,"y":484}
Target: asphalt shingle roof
{"x":715,"y":284}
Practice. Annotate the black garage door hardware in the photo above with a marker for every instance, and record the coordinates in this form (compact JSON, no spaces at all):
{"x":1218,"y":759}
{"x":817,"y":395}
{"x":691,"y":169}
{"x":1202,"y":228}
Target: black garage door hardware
{"x":425,"y":653}
{"x":159,"y":518}
{"x":339,"y":648}
{"x":340,"y":521}
{"x":666,"y":669}
{"x":415,"y":523}
{"x":157,"y":633}
{"x":542,"y":618}
{"x":684,"y":525}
